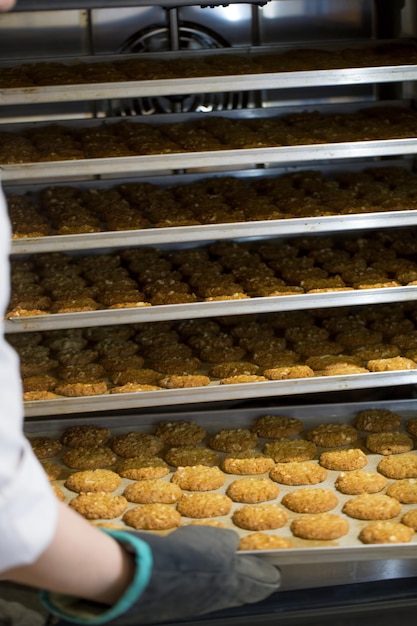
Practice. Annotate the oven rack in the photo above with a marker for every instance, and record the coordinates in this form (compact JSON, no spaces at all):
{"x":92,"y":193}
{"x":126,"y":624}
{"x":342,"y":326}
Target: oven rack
{"x":217,"y":393}
{"x":153,"y":163}
{"x":167,"y":312}
{"x":209,"y":232}
{"x":184,"y":86}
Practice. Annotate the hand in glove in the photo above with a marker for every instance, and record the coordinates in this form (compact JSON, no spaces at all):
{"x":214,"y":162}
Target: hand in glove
{"x":192,"y":571}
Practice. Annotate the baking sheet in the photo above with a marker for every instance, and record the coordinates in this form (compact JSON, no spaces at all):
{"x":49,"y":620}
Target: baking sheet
{"x":194,"y":310}
{"x":153,"y":163}
{"x":346,"y":550}
{"x":167,"y":87}
{"x":218,"y":393}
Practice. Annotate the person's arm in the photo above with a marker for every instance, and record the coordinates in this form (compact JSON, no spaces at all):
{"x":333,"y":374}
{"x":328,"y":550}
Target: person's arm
{"x":80,"y":561}
{"x":7,"y":5}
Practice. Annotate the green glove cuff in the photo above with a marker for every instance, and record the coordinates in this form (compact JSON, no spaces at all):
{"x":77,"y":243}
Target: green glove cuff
{"x":84,"y":612}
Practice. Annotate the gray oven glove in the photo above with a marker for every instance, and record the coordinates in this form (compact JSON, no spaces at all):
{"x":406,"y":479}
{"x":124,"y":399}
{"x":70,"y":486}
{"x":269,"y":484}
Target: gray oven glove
{"x":192,"y":571}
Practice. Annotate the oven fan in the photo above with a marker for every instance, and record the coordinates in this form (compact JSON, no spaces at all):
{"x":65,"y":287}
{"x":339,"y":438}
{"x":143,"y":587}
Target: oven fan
{"x":157,"y":39}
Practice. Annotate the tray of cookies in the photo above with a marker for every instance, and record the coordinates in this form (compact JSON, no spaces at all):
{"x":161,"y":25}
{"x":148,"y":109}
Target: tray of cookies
{"x":128,"y":76}
{"x":192,"y":361}
{"x":302,"y":485}
{"x":85,"y":149}
{"x":59,"y":290}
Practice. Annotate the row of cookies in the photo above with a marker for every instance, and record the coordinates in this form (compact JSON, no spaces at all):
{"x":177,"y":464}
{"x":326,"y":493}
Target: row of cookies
{"x":130,"y":206}
{"x":59,"y":73}
{"x":229,"y":350}
{"x":136,"y":277}
{"x":261,"y":511}
{"x":126,"y":138}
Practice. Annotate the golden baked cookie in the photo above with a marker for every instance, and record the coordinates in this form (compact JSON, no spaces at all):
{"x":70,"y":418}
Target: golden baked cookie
{"x":58,"y":492}
{"x":288,"y":372}
{"x":123,"y":375}
{"x":52,"y":470}
{"x":373,"y":506}
{"x":341,"y":369}
{"x":277,"y":426}
{"x":332,"y":435}
{"x":204,"y":505}
{"x":377,"y":420}
{"x":298,"y":473}
{"x":386,"y":532}
{"x":320,"y":527}
{"x":320,"y":363}
{"x":92,"y":457}
{"x":389,"y":443}
{"x":410,"y":519}
{"x":190,"y":455}
{"x":233,"y":440}
{"x":252,"y":490}
{"x":176,"y":381}
{"x":198,"y":478}
{"x":356,"y":482}
{"x":248,"y":462}
{"x":404,"y":490}
{"x":42,"y":382}
{"x":399,"y":466}
{"x":93,"y":480}
{"x":85,"y":435}
{"x":343,"y":460}
{"x":242,"y":379}
{"x":30,"y":396}
{"x":310,"y":500}
{"x":260,"y":517}
{"x":390,"y":365}
{"x":264,"y":541}
{"x":180,"y":433}
{"x":143,"y":468}
{"x":133,"y":444}
{"x":45,"y":447}
{"x":133,"y":388}
{"x":99,"y":505}
{"x":411,"y":426}
{"x":234,"y":368}
{"x":287,"y":450}
{"x":152,"y":492}
{"x":76,"y":390}
{"x":152,"y":517}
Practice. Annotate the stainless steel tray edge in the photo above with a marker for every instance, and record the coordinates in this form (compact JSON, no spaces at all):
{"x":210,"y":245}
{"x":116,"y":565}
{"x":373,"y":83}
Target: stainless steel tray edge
{"x":217,"y":393}
{"x":252,"y":82}
{"x":188,"y":161}
{"x":166,"y":312}
{"x":185,"y":234}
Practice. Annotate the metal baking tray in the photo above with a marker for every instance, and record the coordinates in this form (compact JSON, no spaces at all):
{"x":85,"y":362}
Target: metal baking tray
{"x":218,"y":393}
{"x":203,"y":233}
{"x":209,"y":232}
{"x":165,"y":312}
{"x":214,"y":84}
{"x":308,"y":564}
{"x":186,"y":85}
{"x":153,"y":163}
{"x":212,"y":160}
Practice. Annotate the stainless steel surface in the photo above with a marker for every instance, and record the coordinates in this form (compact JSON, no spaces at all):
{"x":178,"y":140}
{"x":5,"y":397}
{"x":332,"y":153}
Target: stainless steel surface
{"x":217,"y":393}
{"x":253,"y":82}
{"x":165,"y":312}
{"x":189,"y":234}
{"x":212,"y":160}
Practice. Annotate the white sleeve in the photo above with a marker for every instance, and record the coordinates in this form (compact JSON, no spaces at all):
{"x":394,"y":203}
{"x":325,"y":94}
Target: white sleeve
{"x":28,"y":506}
